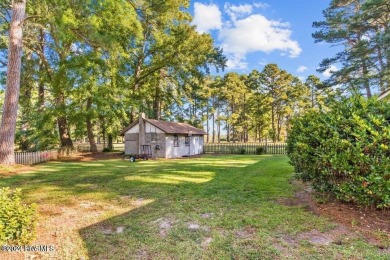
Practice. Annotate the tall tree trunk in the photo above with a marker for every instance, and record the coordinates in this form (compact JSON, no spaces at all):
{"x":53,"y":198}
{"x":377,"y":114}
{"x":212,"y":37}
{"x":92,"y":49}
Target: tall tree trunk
{"x":273,"y":123}
{"x":279,"y":127}
{"x":41,"y":86}
{"x":63,"y":127}
{"x":25,"y":102}
{"x":103,"y":126}
{"x":110,"y":142}
{"x":382,"y":70}
{"x":213,"y":116}
{"x":233,"y":134}
{"x":256,"y":130}
{"x":213,"y":137}
{"x":10,"y":106}
{"x":244,"y":119}
{"x":366,"y":80}
{"x":66,"y":141}
{"x":227,"y":126}
{"x":218,"y":124}
{"x":233,"y":125}
{"x":91,"y":136}
{"x":132,"y":115}
{"x":157,"y":98}
{"x":227,"y":132}
{"x":156,"y":103}
{"x":218,"y":131}
{"x":207,"y":121}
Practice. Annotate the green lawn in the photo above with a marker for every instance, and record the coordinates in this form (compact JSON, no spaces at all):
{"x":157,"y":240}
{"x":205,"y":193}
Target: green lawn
{"x":213,"y":207}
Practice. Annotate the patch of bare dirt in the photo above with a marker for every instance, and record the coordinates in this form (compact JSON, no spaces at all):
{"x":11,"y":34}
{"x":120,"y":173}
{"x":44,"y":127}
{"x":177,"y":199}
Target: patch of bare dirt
{"x":112,"y":230}
{"x":339,"y":235}
{"x":206,"y":241}
{"x":207,"y":215}
{"x":318,"y":238}
{"x":164,"y":225}
{"x":6,"y":170}
{"x":142,"y":254}
{"x":368,"y":221}
{"x":87,"y":157}
{"x":195,"y":226}
{"x":247,"y":232}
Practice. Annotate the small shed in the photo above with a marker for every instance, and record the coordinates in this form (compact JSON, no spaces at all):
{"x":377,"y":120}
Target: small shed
{"x":166,"y":139}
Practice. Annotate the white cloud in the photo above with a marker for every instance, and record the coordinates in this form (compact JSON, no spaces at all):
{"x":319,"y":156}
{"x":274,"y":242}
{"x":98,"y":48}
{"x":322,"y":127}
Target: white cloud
{"x":302,"y":69}
{"x":327,"y":73}
{"x":257,"y":33}
{"x":207,"y":17}
{"x":261,"y":5}
{"x":237,"y":11}
{"x":245,"y":31}
{"x":236,"y":62}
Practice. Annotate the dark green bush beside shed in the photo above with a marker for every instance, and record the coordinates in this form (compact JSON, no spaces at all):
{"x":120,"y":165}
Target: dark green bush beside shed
{"x":345,"y":151}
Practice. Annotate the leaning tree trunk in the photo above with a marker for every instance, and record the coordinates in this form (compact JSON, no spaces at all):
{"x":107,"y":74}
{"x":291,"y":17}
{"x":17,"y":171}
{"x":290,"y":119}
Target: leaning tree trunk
{"x":10,"y":107}
{"x":66,"y":141}
{"x":63,"y":126}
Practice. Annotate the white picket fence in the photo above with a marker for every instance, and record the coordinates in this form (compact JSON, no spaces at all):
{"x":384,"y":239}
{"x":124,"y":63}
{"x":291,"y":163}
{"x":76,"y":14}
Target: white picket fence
{"x":35,"y":157}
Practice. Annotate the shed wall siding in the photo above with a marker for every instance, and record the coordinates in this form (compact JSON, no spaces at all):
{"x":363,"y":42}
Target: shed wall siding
{"x":164,"y":142}
{"x":160,"y":142}
{"x":131,"y":143}
{"x":196,"y":146}
{"x":134,"y":129}
{"x":149,"y":128}
{"x":197,"y":142}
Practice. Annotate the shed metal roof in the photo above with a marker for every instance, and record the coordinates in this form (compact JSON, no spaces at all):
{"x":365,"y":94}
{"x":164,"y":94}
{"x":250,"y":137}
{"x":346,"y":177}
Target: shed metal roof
{"x":169,"y":127}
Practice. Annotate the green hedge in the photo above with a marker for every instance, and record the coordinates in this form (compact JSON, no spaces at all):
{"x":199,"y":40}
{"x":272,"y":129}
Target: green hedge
{"x":345,"y":150}
{"x":17,"y":221}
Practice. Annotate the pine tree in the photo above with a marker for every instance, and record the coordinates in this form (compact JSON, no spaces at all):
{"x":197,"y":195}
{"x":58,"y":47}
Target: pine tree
{"x":10,"y":106}
{"x":361,"y":27}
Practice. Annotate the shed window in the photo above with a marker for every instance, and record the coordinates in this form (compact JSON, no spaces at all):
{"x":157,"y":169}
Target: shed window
{"x":175,"y":140}
{"x":153,"y":137}
{"x":187,"y":141}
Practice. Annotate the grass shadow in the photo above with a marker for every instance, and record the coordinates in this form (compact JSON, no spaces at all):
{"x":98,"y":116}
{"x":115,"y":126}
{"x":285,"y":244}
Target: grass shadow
{"x":212,"y":207}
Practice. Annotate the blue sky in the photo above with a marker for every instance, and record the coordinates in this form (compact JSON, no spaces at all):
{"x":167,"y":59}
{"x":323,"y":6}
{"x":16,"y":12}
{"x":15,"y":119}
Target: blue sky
{"x":254,"y":33}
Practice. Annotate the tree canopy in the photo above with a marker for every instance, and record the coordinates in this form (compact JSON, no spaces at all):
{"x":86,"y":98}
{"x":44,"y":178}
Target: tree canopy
{"x":89,"y":67}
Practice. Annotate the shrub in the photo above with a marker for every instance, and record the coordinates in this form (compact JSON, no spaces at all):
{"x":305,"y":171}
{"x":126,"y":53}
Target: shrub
{"x":106,"y":150}
{"x":17,"y":221}
{"x":242,"y":151}
{"x":345,"y":151}
{"x":260,"y":150}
